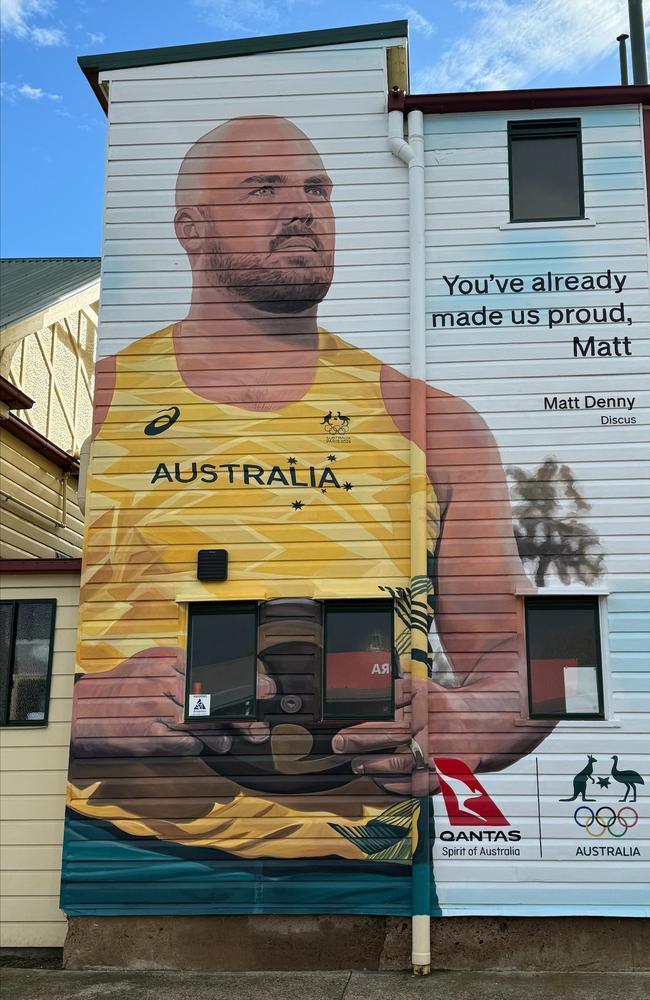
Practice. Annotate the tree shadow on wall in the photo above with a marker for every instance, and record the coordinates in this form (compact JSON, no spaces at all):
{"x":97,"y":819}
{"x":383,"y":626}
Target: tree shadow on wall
{"x":551,"y":536}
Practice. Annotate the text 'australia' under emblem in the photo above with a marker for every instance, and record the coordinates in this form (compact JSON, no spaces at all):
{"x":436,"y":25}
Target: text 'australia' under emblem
{"x":163,"y":421}
{"x":336,"y":425}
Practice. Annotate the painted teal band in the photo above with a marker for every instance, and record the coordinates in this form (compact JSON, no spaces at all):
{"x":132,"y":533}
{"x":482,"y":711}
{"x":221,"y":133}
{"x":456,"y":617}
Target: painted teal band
{"x":107,"y":872}
{"x":421,"y":867}
{"x":245,"y":46}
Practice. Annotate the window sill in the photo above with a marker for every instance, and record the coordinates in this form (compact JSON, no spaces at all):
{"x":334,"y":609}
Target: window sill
{"x":561,"y":590}
{"x":548,"y":224}
{"x":574,"y":725}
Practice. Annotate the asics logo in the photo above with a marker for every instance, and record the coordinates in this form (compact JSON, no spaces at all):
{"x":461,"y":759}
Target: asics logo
{"x":163,"y":421}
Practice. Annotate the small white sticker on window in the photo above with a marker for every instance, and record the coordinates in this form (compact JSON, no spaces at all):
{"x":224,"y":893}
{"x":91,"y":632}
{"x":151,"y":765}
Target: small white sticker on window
{"x":199,"y":704}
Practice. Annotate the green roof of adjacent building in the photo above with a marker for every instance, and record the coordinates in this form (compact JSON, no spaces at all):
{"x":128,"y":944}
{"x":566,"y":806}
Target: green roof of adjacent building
{"x":30,"y":284}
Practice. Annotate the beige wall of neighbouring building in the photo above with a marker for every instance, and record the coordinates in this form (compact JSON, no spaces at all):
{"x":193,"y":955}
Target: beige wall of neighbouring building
{"x":40,"y":514}
{"x":33,"y":765}
{"x":49,"y":356}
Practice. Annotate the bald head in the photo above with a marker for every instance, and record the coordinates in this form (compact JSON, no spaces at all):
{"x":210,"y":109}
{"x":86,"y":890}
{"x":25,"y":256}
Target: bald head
{"x":253,"y":209}
{"x":217,"y":154}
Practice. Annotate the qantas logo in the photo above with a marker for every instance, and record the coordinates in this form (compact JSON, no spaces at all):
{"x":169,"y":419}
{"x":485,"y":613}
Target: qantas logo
{"x":466,"y":801}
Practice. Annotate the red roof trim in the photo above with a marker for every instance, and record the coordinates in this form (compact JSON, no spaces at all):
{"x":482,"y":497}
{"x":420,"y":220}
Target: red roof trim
{"x":40,"y":565}
{"x":518,"y":100}
{"x":41,"y":444}
{"x":14,"y":397}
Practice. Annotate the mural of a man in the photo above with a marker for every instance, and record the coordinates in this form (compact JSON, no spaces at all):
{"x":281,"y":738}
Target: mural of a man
{"x":252,"y":378}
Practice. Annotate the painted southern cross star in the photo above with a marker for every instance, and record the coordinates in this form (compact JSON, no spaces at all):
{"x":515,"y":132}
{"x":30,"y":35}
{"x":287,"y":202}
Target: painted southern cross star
{"x":347,"y":487}
{"x":331,"y":458}
{"x":297,"y":505}
{"x":292,"y":460}
{"x":603,"y":782}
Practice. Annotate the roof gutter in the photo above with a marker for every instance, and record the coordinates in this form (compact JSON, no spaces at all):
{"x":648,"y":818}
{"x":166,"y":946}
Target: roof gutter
{"x":518,"y":100}
{"x":40,"y":444}
{"x":13,"y":397}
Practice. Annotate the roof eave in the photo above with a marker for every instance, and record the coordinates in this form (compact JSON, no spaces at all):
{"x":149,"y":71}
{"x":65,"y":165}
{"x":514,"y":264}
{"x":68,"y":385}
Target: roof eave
{"x":40,"y":444}
{"x":13,"y":397}
{"x":518,"y":100}
{"x":93,"y":65}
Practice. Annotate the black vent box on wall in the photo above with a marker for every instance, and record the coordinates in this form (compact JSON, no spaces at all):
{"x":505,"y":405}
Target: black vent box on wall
{"x":212,"y":564}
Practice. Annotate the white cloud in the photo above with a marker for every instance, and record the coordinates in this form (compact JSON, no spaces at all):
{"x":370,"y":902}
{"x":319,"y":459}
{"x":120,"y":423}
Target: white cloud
{"x":48,"y":36}
{"x":96,"y":37}
{"x":16,"y":17}
{"x":417,"y":21}
{"x":511,"y":43}
{"x":12,"y":91}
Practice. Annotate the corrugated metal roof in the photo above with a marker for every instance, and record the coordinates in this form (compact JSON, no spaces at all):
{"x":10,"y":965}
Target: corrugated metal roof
{"x":29,"y":284}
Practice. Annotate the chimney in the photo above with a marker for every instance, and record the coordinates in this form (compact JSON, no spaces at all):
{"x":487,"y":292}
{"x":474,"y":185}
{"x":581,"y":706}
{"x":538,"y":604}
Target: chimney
{"x":622,"y":55}
{"x":637,"y":42}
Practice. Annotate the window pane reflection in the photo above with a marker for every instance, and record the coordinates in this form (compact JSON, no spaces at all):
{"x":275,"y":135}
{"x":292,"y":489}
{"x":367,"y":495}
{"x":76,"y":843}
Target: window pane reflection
{"x":564,"y":656}
{"x":222,"y":663}
{"x":358,"y":661}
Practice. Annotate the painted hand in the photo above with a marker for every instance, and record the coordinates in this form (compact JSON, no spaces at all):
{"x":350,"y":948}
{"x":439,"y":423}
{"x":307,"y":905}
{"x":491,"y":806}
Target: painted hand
{"x":136,"y":710}
{"x":479,"y":722}
{"x":254,"y":732}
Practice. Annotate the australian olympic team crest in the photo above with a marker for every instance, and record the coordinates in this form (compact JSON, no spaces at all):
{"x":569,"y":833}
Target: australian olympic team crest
{"x":336,"y":426}
{"x":602,"y":822}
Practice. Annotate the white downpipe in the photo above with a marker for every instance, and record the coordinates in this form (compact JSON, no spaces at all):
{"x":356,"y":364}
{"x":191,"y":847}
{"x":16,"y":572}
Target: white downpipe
{"x":421,"y":943}
{"x":412,"y":153}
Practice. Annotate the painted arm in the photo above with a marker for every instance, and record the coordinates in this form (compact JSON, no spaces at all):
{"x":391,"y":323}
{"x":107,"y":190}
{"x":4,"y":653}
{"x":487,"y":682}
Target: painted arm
{"x":477,"y":711}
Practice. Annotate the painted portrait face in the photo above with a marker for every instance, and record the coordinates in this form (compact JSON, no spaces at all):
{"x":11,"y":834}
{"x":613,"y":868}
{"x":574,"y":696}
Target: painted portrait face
{"x":253,"y":207}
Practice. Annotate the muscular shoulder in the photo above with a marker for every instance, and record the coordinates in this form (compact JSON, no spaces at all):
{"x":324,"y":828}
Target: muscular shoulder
{"x":130,"y":357}
{"x":444,"y":411}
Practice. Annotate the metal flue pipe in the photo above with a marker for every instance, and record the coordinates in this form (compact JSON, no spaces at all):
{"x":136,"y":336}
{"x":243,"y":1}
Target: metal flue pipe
{"x":622,"y":55}
{"x":637,"y":42}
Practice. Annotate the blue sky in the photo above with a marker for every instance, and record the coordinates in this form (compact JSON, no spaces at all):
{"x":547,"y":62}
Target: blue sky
{"x":53,"y":130}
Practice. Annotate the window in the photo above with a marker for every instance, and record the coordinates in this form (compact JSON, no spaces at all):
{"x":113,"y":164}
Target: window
{"x":545,"y":170}
{"x":358,"y":679}
{"x":26,"y":641}
{"x":330,"y":660}
{"x":564,"y":664}
{"x":222,"y":661}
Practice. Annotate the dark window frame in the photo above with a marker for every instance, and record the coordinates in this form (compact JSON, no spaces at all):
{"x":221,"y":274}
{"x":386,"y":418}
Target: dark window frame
{"x":207,"y":607}
{"x":5,"y":700}
{"x":350,"y":605}
{"x":569,"y":601}
{"x":538,"y":130}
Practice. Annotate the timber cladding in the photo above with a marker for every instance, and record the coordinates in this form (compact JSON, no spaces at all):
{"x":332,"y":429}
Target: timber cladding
{"x":247,"y":744}
{"x":33,"y":765}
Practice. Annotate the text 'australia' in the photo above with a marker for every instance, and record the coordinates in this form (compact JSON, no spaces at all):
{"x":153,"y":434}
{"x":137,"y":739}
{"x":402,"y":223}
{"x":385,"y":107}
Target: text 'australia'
{"x":244,"y":475}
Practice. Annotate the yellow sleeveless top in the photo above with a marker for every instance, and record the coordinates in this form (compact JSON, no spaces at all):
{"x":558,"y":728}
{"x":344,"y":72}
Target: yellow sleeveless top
{"x":307,"y":504}
{"x":310,"y":500}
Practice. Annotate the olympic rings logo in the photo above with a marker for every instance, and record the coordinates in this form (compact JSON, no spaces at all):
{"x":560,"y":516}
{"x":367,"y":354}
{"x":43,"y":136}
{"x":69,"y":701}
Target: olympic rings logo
{"x":606,"y":820}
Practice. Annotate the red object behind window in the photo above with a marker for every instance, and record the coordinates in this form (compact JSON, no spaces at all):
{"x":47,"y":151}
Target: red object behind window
{"x":359,"y":672}
{"x":547,"y":683}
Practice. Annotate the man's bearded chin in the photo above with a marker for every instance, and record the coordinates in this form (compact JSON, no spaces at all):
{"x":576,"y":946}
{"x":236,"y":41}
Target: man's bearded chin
{"x":271,"y":289}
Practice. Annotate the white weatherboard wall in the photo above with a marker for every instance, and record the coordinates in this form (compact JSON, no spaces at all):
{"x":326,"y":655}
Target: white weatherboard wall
{"x":337,"y":96}
{"x":505,"y":372}
{"x":33,"y":768}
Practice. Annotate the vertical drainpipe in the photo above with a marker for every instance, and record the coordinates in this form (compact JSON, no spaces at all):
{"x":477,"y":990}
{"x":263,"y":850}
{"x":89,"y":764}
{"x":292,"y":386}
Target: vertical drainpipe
{"x":412,"y":153}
